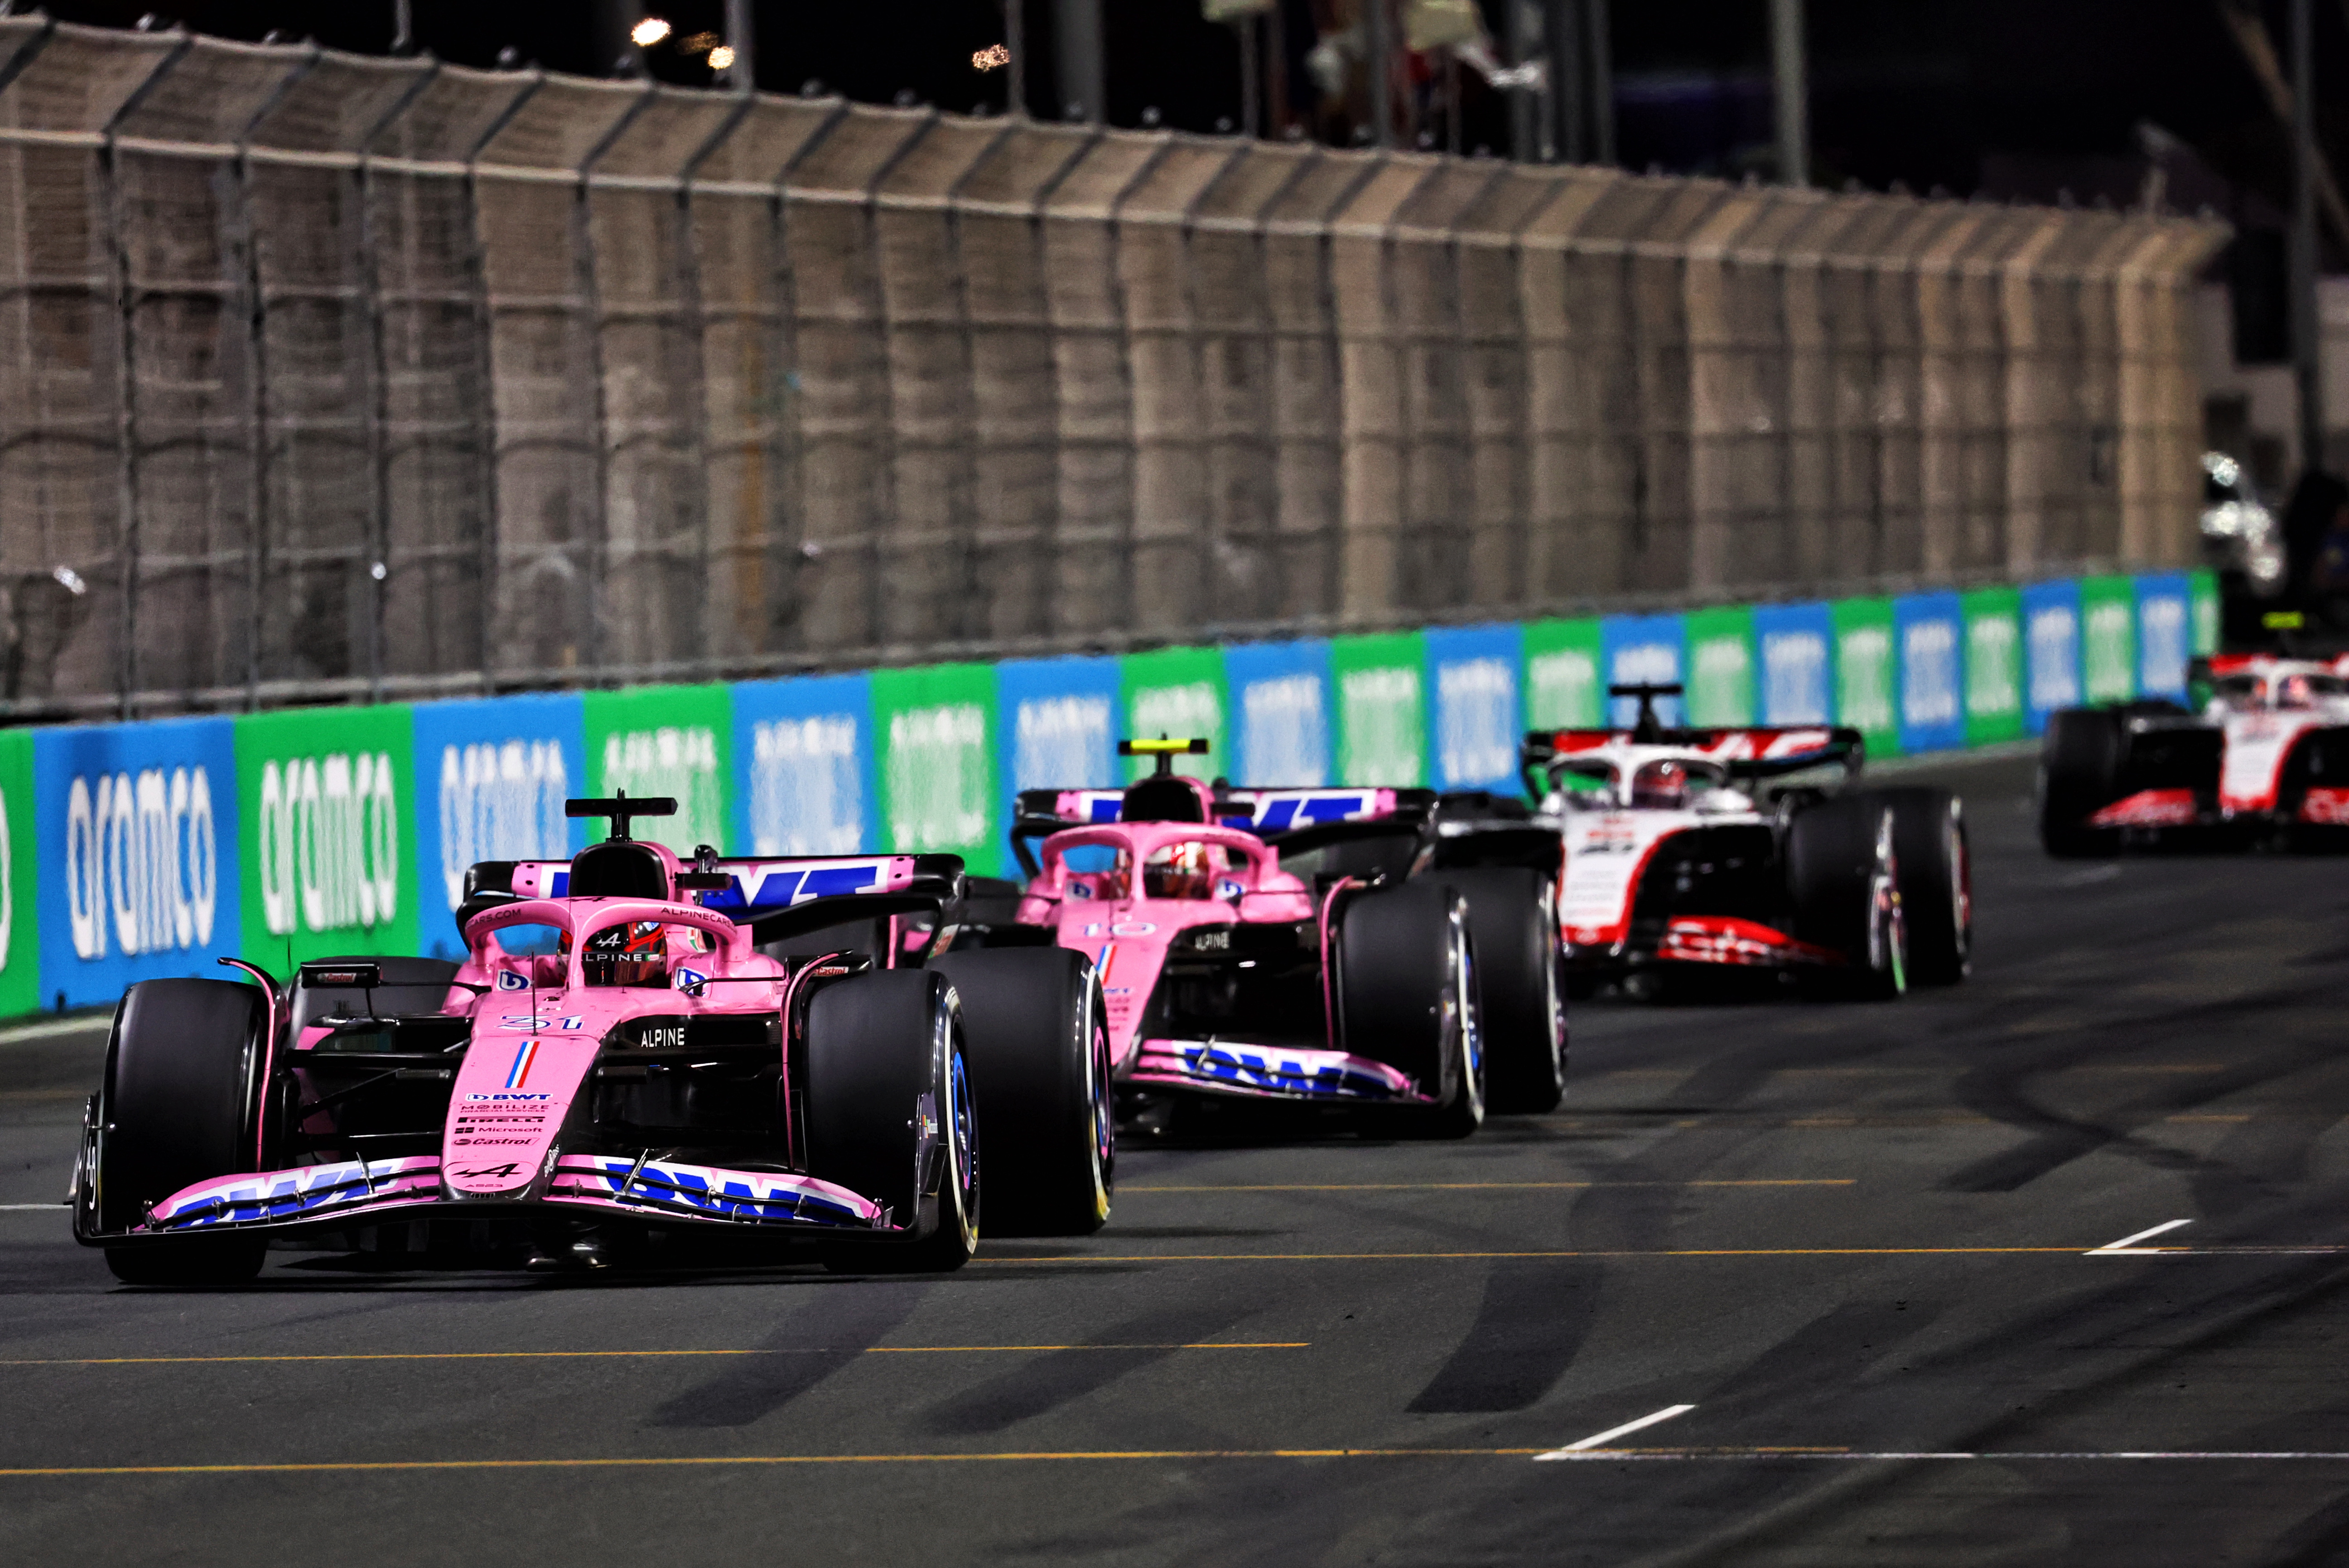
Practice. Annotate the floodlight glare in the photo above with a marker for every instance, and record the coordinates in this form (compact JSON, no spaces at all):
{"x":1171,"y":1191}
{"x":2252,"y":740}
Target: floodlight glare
{"x":721,"y":58}
{"x":649,"y":32}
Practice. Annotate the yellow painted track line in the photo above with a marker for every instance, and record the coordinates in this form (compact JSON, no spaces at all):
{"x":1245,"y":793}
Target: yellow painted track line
{"x":589,"y":1355}
{"x":1677,"y":1252}
{"x":1474,"y":1185}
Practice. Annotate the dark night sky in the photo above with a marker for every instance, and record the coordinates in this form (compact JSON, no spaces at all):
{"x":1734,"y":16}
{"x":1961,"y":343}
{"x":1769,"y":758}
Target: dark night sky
{"x":1956,"y":93}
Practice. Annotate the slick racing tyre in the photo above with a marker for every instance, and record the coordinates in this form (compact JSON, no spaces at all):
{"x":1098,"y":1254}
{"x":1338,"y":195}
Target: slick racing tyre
{"x":1037,"y":1037}
{"x":179,"y":1103}
{"x":890,"y":1117}
{"x":1406,"y":988}
{"x":1930,"y":850}
{"x":1513,"y":930}
{"x":1842,"y":882}
{"x":2079,"y":775}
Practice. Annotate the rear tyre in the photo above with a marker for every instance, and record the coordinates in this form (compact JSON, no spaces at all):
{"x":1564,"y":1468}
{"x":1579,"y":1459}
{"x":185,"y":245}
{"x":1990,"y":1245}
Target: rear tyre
{"x":1930,"y":850}
{"x":1842,"y":881}
{"x":1406,"y":995}
{"x":178,"y":1103}
{"x":1037,"y":1037}
{"x":890,"y":1117}
{"x":1513,"y":931}
{"x":2079,"y":775}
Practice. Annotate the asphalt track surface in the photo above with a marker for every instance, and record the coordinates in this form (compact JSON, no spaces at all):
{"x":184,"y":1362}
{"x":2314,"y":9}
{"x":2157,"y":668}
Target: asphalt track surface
{"x":1858,"y":1242}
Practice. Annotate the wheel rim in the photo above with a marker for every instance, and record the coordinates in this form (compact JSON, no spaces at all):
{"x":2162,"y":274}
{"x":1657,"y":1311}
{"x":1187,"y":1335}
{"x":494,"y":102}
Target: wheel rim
{"x":1472,"y":1029}
{"x":962,"y":1143}
{"x":1103,"y":1105}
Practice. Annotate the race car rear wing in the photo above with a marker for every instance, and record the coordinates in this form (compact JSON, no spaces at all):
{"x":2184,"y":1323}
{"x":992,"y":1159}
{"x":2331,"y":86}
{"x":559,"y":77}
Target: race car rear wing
{"x":1755,"y":752}
{"x":771,"y":890}
{"x":1044,"y":811}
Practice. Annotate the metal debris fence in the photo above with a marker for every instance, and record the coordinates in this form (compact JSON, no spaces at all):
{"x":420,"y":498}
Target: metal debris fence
{"x":327,"y":377}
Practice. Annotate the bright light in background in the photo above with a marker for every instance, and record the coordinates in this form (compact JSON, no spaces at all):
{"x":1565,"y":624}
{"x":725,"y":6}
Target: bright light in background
{"x":989,"y":58}
{"x":721,"y":58}
{"x":649,"y":32}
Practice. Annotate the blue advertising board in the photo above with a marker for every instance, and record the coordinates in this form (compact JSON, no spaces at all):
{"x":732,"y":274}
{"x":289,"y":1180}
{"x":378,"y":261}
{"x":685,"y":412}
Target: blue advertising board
{"x":1474,"y":676}
{"x":2051,"y":651}
{"x":2164,"y":634}
{"x":1281,"y":699}
{"x":1930,"y":630}
{"x":138,"y":875}
{"x":803,"y":768}
{"x":1642,"y":649}
{"x":491,"y":780}
{"x":1797,"y":650}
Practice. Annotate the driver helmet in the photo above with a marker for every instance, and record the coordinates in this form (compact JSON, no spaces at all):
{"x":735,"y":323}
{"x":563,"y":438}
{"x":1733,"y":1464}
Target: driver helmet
{"x":631,"y":954}
{"x":1180,"y":871}
{"x":2297,"y":691}
{"x":1660,"y":785}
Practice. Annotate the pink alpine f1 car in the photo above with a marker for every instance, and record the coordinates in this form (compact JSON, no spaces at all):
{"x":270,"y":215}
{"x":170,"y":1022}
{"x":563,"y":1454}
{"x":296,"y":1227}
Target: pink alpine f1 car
{"x":2265,"y":757}
{"x":753,"y":1045}
{"x":1227,"y":976}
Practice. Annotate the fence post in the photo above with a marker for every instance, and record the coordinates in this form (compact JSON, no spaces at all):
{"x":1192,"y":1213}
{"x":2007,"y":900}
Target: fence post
{"x":126,"y":420}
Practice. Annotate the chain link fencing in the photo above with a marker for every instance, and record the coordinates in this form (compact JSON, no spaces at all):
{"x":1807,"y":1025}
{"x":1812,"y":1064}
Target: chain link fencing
{"x":327,"y":378}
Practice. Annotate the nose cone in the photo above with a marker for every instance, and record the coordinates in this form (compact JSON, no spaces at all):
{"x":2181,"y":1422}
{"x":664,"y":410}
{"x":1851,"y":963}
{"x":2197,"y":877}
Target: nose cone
{"x":512,"y":1096}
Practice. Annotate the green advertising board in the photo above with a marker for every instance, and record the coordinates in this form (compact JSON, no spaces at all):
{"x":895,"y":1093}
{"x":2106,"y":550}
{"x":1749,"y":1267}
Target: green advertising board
{"x":934,"y":727}
{"x":674,"y":741}
{"x":1381,"y":732}
{"x":2108,"y":638}
{"x":1866,"y":678}
{"x":1720,"y":662}
{"x":20,"y":947}
{"x":1180,"y":694}
{"x":325,"y":799}
{"x":1562,"y":659}
{"x":1993,"y":632}
{"x":2202,"y":587}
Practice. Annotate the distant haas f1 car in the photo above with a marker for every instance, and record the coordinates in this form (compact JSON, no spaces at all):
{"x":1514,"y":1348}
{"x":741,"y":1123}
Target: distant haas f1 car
{"x":2266,"y":757}
{"x":1675,"y":863}
{"x":1227,"y":976}
{"x":744,"y":1045}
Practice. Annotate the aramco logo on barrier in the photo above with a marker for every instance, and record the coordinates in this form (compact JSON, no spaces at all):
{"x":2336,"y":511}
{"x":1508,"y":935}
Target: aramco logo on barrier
{"x":1993,"y":667}
{"x":1929,"y":679}
{"x":1719,"y":669}
{"x":500,"y":801}
{"x":2161,"y":659}
{"x":142,"y":870}
{"x":937,"y":777}
{"x":1562,"y":689}
{"x":1866,"y":660}
{"x":1059,"y":740}
{"x":1284,"y":732}
{"x":1384,"y":740}
{"x":1795,"y":685}
{"x":2110,"y":673}
{"x":807,"y":787}
{"x":329,"y":842}
{"x":2054,"y":638}
{"x":1178,"y":711}
{"x":1476,"y":732}
{"x":8,"y":903}
{"x":679,"y":762}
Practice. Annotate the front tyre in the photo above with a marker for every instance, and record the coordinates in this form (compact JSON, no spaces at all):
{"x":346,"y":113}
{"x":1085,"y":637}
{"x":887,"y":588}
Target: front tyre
{"x":180,"y":1103}
{"x":1936,"y":879}
{"x":890,"y":1117}
{"x":1512,"y":930}
{"x":1843,"y":884}
{"x":1407,"y":990}
{"x":2080,"y":761}
{"x":1038,"y":1036}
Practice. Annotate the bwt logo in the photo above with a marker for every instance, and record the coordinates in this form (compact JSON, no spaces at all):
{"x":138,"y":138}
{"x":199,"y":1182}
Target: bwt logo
{"x":329,"y":842}
{"x":2054,"y":658}
{"x":501,"y":802}
{"x":1285,"y":732}
{"x":1929,"y":672}
{"x":807,"y":790}
{"x":1646,"y":664}
{"x":2161,"y":659}
{"x":143,"y":851}
{"x":1795,"y":677}
{"x":1476,"y":729}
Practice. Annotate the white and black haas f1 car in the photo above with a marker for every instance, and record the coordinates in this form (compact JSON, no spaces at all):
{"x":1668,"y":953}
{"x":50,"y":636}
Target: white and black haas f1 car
{"x":2266,"y":757}
{"x":1679,"y":863}
{"x":633,"y":1044}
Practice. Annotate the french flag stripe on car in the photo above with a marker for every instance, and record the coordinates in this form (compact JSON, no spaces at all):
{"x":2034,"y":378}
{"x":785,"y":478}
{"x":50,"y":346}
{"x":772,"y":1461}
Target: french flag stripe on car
{"x":520,"y":1075}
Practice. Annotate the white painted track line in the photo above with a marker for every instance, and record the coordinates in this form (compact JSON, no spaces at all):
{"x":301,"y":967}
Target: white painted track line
{"x":1600,"y":1439}
{"x":51,"y":1028}
{"x":2128,"y":1244}
{"x":27,"y":1207}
